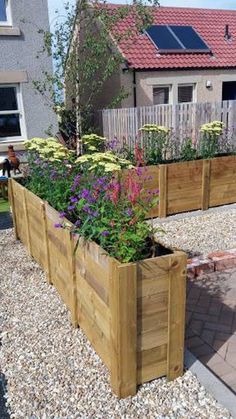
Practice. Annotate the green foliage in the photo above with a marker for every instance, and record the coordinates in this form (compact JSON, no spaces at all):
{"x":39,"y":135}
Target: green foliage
{"x":83,"y":67}
{"x":155,"y":141}
{"x":209,"y":144}
{"x":188,"y":152}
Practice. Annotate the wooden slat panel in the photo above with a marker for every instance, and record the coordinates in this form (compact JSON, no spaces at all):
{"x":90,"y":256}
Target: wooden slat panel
{"x":176,"y":315}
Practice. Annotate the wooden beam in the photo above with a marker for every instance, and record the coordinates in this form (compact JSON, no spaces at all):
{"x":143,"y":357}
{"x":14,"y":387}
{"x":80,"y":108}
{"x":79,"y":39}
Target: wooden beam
{"x":123,"y":335}
{"x":176,"y":315}
{"x":206,"y":173}
{"x":163,"y":190}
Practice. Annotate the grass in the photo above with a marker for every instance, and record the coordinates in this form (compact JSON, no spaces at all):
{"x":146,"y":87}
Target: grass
{"x":4,"y":205}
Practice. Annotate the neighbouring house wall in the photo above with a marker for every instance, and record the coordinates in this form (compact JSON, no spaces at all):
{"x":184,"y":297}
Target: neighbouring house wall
{"x":146,"y":80}
{"x":18,"y":54}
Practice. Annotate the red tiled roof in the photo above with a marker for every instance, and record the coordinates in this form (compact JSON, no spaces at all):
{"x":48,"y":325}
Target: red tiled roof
{"x":210,"y":24}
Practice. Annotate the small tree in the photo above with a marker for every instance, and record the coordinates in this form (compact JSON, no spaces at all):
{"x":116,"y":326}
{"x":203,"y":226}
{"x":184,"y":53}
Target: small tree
{"x":85,"y":56}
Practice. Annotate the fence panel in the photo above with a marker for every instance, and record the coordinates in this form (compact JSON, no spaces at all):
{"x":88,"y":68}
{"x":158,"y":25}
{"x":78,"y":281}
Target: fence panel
{"x":184,"y":120}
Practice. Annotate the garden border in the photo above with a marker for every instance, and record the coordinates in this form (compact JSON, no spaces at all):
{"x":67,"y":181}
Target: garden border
{"x":133,"y":313}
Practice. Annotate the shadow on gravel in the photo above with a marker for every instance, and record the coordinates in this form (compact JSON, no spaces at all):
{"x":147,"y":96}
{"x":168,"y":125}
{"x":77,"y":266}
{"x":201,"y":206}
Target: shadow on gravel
{"x":5,"y":220}
{"x":3,"y":409}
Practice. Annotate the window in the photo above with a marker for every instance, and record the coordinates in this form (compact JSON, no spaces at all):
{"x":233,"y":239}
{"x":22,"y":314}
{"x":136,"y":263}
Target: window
{"x":161,"y":95}
{"x":11,"y":123}
{"x":4,"y":12}
{"x":185,"y":93}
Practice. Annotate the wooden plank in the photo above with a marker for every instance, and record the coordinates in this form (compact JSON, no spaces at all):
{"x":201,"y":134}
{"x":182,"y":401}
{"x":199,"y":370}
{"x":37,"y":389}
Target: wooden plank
{"x":11,"y":185}
{"x":123,"y":306}
{"x":206,"y":173}
{"x":163,"y":190}
{"x":176,"y":315}
{"x":27,"y":220}
{"x":151,"y":364}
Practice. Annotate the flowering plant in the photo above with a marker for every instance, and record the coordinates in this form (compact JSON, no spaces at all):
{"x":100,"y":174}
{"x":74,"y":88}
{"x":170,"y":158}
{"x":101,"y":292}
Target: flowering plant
{"x":104,"y":204}
{"x":92,"y":143}
{"x":155,"y":140}
{"x":211,"y":133}
{"x":111,"y":211}
{"x":48,"y":149}
{"x":108,"y":161}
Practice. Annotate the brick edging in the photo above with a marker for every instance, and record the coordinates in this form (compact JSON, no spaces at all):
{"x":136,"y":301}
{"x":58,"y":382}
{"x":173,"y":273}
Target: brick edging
{"x":216,"y":261}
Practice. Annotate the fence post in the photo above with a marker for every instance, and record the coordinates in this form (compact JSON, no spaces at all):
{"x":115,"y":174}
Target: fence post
{"x":206,"y":173}
{"x":176,"y":315}
{"x":123,"y":338}
{"x":163,"y":190}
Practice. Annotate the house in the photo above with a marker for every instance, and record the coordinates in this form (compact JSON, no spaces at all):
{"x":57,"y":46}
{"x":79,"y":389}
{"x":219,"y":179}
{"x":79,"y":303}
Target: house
{"x":23,"y":112}
{"x":187,"y":55}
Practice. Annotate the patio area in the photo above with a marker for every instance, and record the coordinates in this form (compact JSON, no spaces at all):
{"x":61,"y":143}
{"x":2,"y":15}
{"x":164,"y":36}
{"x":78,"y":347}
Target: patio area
{"x":211,"y":323}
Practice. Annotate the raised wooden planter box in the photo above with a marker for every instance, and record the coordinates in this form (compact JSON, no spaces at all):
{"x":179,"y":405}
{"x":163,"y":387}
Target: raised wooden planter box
{"x":133,"y":314}
{"x":192,"y":185}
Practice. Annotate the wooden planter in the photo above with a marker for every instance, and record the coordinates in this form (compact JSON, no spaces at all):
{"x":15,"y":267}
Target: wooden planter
{"x":192,"y":185}
{"x":133,"y":314}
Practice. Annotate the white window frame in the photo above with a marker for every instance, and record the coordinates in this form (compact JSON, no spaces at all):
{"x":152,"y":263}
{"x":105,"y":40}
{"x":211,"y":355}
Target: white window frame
{"x":20,"y":111}
{"x":169,"y":86}
{"x":8,"y":22}
{"x":193,"y":85}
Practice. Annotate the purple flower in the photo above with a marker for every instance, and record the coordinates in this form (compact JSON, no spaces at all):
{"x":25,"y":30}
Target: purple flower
{"x":85,"y":194}
{"x":78,"y":223}
{"x":105,"y":233}
{"x":62,"y":214}
{"x":74,"y":199}
{"x":58,"y":225}
{"x":129,"y":212}
{"x":71,"y":207}
{"x":87,"y":209}
{"x":95,"y":214}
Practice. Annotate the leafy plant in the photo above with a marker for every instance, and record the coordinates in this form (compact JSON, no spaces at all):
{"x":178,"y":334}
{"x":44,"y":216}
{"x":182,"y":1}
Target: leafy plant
{"x":211,"y":133}
{"x":188,"y":152}
{"x":154,"y":139}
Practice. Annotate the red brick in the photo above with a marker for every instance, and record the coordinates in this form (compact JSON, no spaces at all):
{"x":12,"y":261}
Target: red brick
{"x":204,"y":267}
{"x":220,"y":255}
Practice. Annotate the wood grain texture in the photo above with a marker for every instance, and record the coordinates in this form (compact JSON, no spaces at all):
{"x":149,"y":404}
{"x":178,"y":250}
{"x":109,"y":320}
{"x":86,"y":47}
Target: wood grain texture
{"x":123,"y":306}
{"x":176,"y":315}
{"x":206,"y":174}
{"x":163,"y":187}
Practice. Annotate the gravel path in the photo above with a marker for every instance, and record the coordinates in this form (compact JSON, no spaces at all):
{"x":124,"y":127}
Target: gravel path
{"x":51,"y":369}
{"x":200,"y":233}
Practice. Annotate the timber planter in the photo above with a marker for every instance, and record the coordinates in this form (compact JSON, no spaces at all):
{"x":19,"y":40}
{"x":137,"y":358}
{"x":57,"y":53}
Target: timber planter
{"x":133,"y":314}
{"x":192,"y":185}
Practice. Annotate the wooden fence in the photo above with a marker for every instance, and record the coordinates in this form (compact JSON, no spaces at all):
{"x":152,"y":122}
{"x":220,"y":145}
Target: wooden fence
{"x":132,"y":313}
{"x":183,"y":119}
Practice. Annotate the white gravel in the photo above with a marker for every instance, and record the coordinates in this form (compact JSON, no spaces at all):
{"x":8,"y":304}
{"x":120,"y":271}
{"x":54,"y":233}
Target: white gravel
{"x":51,"y":369}
{"x":200,"y":233}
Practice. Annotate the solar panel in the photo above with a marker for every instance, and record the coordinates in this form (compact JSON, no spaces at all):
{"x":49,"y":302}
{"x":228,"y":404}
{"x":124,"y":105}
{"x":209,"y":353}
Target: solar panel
{"x":176,"y":39}
{"x":189,"y":38}
{"x":162,"y":37}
